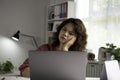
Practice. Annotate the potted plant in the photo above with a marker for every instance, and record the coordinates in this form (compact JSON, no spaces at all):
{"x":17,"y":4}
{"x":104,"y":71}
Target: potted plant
{"x":113,"y":50}
{"x":6,"y":67}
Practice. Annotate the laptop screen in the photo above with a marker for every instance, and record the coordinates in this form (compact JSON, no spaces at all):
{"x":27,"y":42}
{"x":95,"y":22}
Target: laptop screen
{"x":57,"y":65}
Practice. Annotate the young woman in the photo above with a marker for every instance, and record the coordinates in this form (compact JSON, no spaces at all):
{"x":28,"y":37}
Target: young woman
{"x":70,"y":36}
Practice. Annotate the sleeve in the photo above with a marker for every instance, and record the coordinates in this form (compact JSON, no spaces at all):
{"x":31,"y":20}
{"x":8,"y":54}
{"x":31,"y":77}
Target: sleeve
{"x":25,"y":64}
{"x":44,"y":47}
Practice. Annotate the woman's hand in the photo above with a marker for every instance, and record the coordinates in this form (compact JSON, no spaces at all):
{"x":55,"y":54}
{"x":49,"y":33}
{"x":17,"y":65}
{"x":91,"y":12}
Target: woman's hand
{"x":67,"y":44}
{"x":26,"y":72}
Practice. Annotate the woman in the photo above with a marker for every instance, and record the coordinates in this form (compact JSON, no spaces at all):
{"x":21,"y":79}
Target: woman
{"x":70,"y":36}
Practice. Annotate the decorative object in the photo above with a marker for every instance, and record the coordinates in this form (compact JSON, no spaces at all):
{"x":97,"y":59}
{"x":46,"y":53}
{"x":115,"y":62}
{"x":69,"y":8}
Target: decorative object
{"x":17,"y":35}
{"x":91,"y":56}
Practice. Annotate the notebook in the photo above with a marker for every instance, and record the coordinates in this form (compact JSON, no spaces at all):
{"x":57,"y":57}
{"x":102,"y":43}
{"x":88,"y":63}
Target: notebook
{"x":111,"y":70}
{"x":57,"y":65}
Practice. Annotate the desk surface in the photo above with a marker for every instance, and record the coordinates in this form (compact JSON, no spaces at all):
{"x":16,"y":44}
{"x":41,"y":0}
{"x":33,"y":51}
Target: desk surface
{"x":24,"y":78}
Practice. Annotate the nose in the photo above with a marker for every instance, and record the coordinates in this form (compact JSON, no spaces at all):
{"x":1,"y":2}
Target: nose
{"x":66,"y":33}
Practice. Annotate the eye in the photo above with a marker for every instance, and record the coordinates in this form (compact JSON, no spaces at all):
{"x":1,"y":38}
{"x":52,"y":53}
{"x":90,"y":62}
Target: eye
{"x":71,"y":33}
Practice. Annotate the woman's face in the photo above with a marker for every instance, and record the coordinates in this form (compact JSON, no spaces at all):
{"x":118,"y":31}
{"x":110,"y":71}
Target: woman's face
{"x":67,"y":33}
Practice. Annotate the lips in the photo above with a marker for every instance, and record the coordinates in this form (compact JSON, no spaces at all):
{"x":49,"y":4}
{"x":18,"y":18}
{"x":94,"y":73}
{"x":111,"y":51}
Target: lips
{"x":63,"y":38}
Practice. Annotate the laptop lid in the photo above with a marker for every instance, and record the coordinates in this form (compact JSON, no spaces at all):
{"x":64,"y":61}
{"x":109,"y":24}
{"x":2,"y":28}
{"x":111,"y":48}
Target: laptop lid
{"x":111,"y":70}
{"x":57,"y":65}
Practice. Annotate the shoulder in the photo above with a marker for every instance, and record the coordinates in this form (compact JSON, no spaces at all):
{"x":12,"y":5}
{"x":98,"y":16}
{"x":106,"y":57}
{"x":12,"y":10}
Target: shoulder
{"x":46,"y":47}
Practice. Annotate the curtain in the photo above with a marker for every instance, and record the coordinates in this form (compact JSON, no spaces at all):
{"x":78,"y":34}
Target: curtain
{"x":102,"y":21}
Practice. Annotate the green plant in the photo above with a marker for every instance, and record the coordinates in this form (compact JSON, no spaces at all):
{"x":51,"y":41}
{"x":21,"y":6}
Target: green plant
{"x":113,"y":50}
{"x":117,"y":54}
{"x":6,"y":67}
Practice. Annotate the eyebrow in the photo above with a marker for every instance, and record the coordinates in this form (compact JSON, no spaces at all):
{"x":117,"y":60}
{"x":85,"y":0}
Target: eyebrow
{"x":73,"y":32}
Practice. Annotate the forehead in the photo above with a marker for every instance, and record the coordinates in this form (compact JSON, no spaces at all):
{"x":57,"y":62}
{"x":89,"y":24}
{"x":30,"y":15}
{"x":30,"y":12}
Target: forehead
{"x":69,"y":27}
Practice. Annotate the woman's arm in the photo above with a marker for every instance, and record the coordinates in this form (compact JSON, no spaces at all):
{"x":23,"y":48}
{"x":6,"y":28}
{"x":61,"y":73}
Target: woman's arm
{"x":24,"y":68}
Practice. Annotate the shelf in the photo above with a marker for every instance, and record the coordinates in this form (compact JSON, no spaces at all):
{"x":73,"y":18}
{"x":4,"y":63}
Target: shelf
{"x":52,"y":20}
{"x":56,"y":14}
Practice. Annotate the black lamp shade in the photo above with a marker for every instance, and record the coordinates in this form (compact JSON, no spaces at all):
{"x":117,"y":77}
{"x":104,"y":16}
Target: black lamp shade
{"x":16,"y":36}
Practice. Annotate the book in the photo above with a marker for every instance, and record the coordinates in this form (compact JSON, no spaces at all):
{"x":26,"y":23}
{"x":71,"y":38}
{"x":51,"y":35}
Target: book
{"x":66,"y":9}
{"x":110,"y":71}
{"x":57,"y":12}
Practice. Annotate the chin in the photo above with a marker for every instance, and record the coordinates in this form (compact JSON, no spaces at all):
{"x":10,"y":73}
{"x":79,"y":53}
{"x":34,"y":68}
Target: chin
{"x":62,"y":42}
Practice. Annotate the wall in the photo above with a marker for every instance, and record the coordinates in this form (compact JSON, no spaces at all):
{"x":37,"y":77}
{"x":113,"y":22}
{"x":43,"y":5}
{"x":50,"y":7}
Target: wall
{"x":28,"y":16}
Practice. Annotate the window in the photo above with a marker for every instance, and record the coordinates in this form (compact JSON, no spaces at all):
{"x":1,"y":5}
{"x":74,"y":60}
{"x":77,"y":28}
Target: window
{"x":102,"y":21}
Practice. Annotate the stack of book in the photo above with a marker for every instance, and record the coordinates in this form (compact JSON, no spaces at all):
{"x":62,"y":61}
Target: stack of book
{"x":59,"y":11}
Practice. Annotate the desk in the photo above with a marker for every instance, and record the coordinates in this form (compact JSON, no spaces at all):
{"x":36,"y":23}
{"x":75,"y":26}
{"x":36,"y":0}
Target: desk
{"x":13,"y":78}
{"x":24,"y":78}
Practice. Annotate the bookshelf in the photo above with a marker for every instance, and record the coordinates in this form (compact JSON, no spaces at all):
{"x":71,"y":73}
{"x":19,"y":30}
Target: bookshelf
{"x":56,"y":13}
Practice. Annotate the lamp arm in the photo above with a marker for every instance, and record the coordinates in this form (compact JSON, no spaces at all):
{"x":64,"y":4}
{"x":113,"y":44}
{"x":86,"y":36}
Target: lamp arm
{"x":32,"y":38}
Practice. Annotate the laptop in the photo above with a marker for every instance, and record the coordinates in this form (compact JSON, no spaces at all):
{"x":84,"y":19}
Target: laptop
{"x":57,"y":65}
{"x":111,"y":70}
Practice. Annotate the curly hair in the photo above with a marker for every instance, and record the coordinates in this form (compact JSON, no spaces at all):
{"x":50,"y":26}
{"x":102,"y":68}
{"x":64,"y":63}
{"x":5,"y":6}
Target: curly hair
{"x":80,"y":31}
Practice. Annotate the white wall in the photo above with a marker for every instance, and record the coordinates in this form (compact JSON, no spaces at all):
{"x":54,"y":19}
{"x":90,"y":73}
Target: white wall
{"x":28,"y":16}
